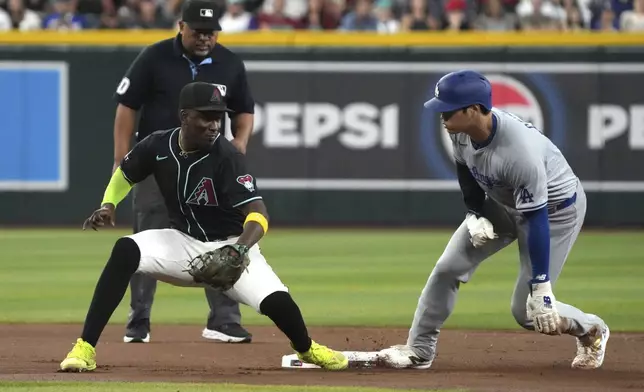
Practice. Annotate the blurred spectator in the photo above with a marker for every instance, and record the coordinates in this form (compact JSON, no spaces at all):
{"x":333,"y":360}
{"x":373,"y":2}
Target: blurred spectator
{"x":139,"y":14}
{"x":5,"y":21}
{"x":633,"y":20}
{"x":574,"y":20}
{"x":495,"y":18}
{"x":18,"y":17}
{"x":608,"y":20}
{"x":293,"y":9}
{"x":455,"y":11}
{"x":64,"y":17}
{"x":277,"y":19}
{"x":577,"y":13}
{"x":236,"y":19}
{"x":418,"y":17}
{"x":40,"y":6}
{"x":618,"y":7}
{"x":604,"y":11}
{"x":324,"y":14}
{"x":540,"y":15}
{"x":171,"y":9}
{"x":151,"y":16}
{"x":362,"y":18}
{"x":387,"y":24}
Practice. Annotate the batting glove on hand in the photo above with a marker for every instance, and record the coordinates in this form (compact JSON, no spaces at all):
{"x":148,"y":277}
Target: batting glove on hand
{"x":542,"y":309}
{"x":481,"y":230}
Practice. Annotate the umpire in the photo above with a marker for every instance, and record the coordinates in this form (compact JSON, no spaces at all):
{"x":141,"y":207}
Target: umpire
{"x":151,"y":87}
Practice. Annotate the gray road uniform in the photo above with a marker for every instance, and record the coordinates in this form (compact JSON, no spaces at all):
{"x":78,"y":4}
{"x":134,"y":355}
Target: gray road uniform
{"x":520,"y":170}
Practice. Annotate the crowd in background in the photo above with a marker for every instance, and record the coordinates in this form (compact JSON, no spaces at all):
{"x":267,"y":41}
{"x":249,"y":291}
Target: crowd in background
{"x":384,"y":16}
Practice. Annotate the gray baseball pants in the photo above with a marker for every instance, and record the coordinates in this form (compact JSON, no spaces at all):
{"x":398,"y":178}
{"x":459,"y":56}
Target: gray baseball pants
{"x":460,"y":259}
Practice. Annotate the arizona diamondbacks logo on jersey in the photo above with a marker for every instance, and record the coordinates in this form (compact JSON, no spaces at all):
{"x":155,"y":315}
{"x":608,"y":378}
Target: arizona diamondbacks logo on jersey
{"x":247,"y":181}
{"x":204,"y":194}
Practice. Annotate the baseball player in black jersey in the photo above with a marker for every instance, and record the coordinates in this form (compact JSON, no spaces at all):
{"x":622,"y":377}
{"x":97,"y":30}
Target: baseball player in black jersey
{"x":217,"y":219}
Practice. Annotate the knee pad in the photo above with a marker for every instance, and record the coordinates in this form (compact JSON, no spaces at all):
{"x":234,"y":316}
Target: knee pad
{"x":126,"y":254}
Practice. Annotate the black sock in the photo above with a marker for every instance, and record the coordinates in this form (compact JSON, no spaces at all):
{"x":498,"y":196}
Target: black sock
{"x":111,"y":288}
{"x":286,"y":315}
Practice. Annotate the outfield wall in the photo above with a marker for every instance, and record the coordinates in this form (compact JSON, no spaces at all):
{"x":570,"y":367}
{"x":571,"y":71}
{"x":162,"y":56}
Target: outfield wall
{"x":341,"y":137}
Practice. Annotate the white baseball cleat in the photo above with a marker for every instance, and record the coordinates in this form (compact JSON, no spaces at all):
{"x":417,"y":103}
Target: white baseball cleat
{"x":591,"y":348}
{"x":402,"y":357}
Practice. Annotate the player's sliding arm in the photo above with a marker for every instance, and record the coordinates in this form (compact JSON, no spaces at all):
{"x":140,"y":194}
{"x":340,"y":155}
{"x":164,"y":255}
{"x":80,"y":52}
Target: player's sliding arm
{"x":256,"y":223}
{"x":480,"y":228}
{"x":531,"y":198}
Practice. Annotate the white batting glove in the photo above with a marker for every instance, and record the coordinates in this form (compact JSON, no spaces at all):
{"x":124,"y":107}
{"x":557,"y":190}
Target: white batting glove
{"x":542,"y":309}
{"x":481,"y":230}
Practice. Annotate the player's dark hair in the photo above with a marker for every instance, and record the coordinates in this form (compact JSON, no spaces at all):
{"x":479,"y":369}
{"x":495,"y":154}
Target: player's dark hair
{"x":483,"y":109}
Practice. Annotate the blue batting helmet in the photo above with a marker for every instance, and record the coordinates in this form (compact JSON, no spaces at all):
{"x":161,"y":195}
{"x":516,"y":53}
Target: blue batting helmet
{"x":461,"y":89}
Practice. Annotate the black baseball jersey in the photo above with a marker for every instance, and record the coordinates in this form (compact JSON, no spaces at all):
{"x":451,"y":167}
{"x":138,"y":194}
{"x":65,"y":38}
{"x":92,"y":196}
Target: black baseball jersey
{"x":154,"y":80}
{"x":203,"y":191}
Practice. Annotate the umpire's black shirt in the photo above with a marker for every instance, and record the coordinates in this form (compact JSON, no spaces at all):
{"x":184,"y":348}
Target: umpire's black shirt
{"x":154,"y":80}
{"x":203,"y":191}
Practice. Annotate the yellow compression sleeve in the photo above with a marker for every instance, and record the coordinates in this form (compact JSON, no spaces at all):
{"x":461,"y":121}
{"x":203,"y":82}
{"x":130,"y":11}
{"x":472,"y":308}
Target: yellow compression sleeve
{"x":117,"y":189}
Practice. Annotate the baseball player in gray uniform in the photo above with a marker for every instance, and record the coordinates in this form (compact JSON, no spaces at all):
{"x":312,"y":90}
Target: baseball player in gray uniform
{"x":516,"y":185}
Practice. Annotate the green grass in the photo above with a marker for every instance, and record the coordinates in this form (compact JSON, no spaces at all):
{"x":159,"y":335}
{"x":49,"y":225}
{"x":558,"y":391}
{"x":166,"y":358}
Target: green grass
{"x":176,"y":387}
{"x":338,"y":277}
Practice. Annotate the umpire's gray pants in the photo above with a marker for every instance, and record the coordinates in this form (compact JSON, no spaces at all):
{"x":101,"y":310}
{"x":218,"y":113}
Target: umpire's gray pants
{"x":460,"y":259}
{"x":150,"y":213}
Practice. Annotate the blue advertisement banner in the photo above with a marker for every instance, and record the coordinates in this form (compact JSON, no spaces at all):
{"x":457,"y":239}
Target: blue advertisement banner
{"x":34,"y":126}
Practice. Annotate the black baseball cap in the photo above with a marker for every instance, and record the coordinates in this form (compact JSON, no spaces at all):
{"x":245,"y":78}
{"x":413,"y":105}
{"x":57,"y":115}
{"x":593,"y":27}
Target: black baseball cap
{"x":201,"y":14}
{"x":203,"y":96}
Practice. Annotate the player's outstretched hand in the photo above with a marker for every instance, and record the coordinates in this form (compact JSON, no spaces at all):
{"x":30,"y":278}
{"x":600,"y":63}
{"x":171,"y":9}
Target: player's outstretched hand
{"x":100,"y":217}
{"x":481,"y":230}
{"x":542,"y":309}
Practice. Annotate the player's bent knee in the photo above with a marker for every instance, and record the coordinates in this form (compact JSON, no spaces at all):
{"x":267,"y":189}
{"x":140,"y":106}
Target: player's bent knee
{"x":276,"y":296}
{"x":520,"y":315}
{"x":126,"y":254}
{"x":445,"y":269}
{"x":275,"y":300}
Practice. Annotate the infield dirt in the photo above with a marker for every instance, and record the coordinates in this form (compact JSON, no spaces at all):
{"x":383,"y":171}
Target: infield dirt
{"x":474,"y":360}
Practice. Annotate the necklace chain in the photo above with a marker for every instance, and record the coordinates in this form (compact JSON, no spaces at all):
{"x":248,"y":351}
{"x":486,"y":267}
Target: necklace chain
{"x":183,"y":152}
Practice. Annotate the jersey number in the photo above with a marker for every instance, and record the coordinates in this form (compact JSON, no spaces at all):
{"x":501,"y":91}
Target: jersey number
{"x":123,"y":86}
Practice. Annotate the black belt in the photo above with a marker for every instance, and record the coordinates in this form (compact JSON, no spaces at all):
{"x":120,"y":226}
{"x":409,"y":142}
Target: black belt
{"x":566,"y":203}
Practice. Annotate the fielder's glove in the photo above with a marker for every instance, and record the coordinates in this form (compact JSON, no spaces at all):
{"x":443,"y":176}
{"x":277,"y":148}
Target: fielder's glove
{"x":481,"y":230}
{"x":220,"y":268}
{"x":542,"y":309}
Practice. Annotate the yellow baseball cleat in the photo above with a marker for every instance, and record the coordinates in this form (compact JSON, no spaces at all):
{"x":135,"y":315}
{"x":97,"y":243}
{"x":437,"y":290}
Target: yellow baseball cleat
{"x":324,"y":357}
{"x":82,"y":358}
